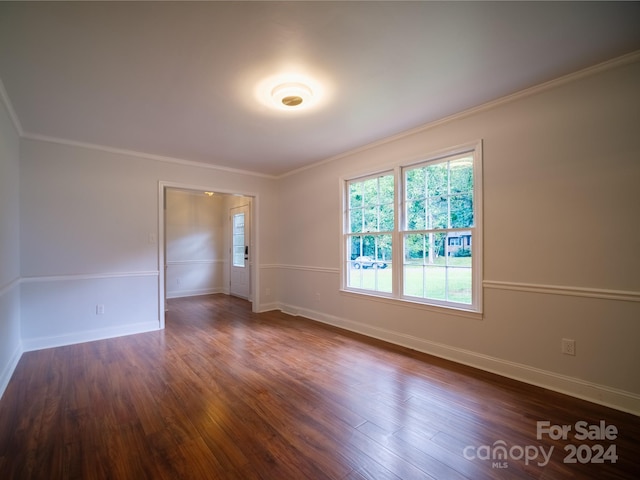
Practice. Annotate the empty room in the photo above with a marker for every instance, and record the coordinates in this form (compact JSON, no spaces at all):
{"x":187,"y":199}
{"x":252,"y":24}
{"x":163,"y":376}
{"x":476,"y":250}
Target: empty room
{"x":319,"y":240}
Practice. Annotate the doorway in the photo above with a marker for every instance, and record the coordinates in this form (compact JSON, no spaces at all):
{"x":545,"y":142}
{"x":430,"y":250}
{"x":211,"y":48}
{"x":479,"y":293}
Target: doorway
{"x":206,"y":243}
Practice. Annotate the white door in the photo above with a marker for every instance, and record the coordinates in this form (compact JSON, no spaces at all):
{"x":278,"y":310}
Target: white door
{"x":240,"y":278}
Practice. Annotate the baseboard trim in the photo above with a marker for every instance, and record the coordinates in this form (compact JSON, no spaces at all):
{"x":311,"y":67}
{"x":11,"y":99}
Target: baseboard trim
{"x":269,"y":307}
{"x":195,"y":262}
{"x":601,"y":394}
{"x":195,"y":292}
{"x":7,"y":373}
{"x":41,"y":343}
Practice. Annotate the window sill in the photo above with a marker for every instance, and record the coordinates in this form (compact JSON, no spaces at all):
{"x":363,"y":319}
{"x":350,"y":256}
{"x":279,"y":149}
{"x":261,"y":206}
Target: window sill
{"x":402,"y":302}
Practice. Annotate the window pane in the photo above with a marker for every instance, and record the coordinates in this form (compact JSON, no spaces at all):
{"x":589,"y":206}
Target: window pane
{"x":435,"y":282}
{"x":425,"y":265}
{"x":371,"y":219}
{"x":238,"y":240}
{"x":415,"y":254}
{"x":383,"y":252}
{"x":355,"y":277}
{"x":354,"y":247}
{"x":461,"y":175}
{"x":414,"y":280}
{"x":437,"y":213}
{"x":371,"y":205}
{"x":238,"y":223}
{"x":416,"y":215}
{"x":238,"y":256}
{"x":459,"y":248}
{"x":369,"y":266}
{"x":437,"y":179}
{"x":437,"y":266}
{"x":415,"y":183}
{"x":369,"y":245}
{"x":370,"y":192}
{"x":448,"y":188}
{"x":461,"y":210}
{"x":355,"y":195}
{"x":459,"y":261}
{"x":386,"y":218}
{"x":386,"y":189}
{"x":374,"y":279}
{"x":355,"y":220}
{"x":459,"y":284}
{"x":436,"y":243}
{"x":415,"y":249}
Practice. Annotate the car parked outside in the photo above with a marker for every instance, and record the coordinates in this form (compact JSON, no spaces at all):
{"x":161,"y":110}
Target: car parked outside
{"x":368,"y":262}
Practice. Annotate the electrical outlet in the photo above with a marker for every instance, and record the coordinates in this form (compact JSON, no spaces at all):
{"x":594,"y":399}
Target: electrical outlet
{"x":317,"y":296}
{"x":99,"y":309}
{"x":178,"y":281}
{"x":267,"y":292}
{"x":568,"y":346}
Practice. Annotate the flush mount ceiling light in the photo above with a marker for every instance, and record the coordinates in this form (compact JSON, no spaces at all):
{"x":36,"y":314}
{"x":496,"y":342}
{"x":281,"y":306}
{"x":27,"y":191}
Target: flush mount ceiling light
{"x":292,"y":95}
{"x":290,"y":91}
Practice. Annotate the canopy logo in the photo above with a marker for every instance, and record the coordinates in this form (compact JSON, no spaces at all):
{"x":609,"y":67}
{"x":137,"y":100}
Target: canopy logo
{"x":499,"y":453}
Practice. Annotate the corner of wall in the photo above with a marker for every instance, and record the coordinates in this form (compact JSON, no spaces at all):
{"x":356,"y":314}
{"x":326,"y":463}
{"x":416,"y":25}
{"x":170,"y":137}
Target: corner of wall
{"x":10,"y":270}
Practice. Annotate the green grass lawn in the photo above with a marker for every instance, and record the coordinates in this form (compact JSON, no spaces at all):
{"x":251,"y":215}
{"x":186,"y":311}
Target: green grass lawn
{"x":430,"y":281}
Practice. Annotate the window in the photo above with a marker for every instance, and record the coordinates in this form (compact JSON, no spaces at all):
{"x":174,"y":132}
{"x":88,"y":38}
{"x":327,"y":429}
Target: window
{"x":370,"y":228}
{"x":430,"y":231}
{"x":238,"y":240}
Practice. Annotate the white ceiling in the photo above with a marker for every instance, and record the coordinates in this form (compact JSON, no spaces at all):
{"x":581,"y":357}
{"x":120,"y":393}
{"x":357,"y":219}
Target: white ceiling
{"x":177,"y":79}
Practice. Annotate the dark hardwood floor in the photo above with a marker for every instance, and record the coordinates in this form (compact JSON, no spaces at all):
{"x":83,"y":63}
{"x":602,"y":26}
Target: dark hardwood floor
{"x":223,"y":393}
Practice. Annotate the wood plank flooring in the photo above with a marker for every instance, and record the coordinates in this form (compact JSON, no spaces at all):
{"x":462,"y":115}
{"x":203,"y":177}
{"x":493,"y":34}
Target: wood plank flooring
{"x":223,"y":393}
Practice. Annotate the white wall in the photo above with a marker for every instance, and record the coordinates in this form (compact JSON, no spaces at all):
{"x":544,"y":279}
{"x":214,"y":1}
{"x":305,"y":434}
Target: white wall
{"x":195,"y":227}
{"x":89,"y":230}
{"x":10,"y":344}
{"x":561,"y":230}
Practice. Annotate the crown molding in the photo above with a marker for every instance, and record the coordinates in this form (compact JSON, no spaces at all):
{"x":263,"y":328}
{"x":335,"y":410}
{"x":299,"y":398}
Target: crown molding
{"x":146,"y":156}
{"x":571,"y":77}
{"x":4,"y":97}
{"x":12,"y":113}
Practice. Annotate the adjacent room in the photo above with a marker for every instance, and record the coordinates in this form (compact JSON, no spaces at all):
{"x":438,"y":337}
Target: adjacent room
{"x":309,"y":240}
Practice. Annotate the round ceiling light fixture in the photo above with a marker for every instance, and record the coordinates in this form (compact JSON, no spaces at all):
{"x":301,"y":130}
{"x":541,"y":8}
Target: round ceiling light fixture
{"x":291,"y":95}
{"x":291,"y":91}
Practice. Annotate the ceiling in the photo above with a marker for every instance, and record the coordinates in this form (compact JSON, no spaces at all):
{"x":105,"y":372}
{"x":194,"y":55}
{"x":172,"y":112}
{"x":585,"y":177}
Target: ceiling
{"x":178,"y":79}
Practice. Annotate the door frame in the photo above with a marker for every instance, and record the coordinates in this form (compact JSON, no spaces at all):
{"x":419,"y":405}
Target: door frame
{"x":255,"y":235}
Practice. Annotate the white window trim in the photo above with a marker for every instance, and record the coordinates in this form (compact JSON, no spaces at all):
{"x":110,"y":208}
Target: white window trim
{"x":472,"y":311}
